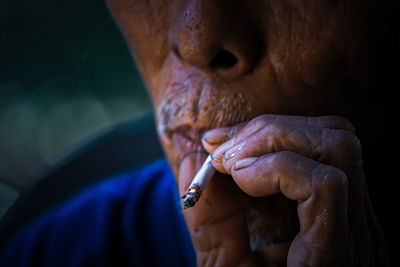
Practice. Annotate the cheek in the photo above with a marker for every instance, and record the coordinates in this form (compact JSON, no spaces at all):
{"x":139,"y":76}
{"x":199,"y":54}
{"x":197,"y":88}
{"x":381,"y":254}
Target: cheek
{"x":309,"y":41}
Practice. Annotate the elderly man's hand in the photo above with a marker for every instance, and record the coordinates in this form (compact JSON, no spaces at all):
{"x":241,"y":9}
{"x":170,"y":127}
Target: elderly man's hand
{"x":295,"y":194}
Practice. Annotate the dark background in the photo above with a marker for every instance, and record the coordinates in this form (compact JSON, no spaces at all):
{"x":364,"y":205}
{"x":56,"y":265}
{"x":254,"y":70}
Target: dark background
{"x":65,"y":73}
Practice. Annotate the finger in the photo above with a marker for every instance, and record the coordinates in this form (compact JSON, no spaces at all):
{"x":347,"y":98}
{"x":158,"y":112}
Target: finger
{"x":299,"y":134}
{"x":331,"y":122}
{"x":215,"y":137}
{"x":212,"y":139}
{"x":243,"y":130}
{"x":339,"y":148}
{"x":217,"y":223}
{"x":321,"y":192}
{"x":235,"y":134}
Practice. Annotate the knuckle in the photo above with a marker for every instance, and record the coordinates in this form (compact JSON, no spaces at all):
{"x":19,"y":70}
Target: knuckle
{"x":337,"y":122}
{"x":342,"y":143}
{"x":245,"y":127}
{"x":235,"y":129}
{"x":329,"y":179}
{"x":274,"y":128}
{"x":346,"y":124}
{"x":259,"y":121}
{"x":279,"y":158}
{"x":272,"y":134}
{"x":348,"y":142}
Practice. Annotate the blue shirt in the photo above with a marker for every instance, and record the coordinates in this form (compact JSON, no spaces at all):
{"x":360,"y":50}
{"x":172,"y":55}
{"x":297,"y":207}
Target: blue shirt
{"x":133,"y":219}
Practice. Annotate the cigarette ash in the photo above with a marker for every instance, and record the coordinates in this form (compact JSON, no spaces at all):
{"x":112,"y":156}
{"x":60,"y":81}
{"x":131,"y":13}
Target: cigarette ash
{"x":192,"y":196}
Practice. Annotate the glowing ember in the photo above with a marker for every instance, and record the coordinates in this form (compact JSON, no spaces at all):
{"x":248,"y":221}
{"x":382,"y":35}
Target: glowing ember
{"x":192,"y":190}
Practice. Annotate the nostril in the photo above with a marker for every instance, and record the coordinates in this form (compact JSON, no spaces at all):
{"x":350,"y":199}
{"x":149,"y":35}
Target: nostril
{"x":223,"y":59}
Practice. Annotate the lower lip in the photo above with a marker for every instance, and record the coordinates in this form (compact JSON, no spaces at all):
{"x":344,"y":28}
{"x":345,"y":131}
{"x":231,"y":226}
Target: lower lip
{"x":186,"y":145}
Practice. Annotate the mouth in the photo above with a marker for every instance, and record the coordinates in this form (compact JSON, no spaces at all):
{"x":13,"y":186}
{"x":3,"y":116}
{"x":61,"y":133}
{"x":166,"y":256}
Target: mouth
{"x":188,"y":140}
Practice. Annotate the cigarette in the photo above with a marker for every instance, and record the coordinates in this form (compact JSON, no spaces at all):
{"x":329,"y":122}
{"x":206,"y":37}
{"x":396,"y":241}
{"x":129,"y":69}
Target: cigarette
{"x":198,"y":184}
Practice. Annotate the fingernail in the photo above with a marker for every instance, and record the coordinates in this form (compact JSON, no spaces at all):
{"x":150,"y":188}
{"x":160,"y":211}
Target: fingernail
{"x":234,"y":150}
{"x":243,"y":163}
{"x":212,"y":155}
{"x":216,"y":136}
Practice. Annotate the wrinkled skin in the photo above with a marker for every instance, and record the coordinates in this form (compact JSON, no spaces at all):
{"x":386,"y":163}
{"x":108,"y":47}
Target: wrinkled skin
{"x":250,"y":81}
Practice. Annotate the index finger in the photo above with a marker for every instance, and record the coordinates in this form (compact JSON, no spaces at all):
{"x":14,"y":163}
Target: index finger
{"x":230,"y":136}
{"x":213,"y":138}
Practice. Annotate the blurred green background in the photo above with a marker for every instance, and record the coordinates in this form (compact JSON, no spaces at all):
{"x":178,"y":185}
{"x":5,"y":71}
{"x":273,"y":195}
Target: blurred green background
{"x":65,"y":73}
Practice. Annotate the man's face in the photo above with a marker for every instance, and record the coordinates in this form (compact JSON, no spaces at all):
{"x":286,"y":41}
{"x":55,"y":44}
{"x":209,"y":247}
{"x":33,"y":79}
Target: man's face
{"x":209,"y":64}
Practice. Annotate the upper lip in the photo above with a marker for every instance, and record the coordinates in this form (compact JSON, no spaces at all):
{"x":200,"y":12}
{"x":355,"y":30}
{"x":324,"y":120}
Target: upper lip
{"x":190,"y":132}
{"x":188,"y":139}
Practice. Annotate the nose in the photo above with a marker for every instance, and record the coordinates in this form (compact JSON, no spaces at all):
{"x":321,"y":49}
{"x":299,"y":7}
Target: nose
{"x":215,"y":37}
